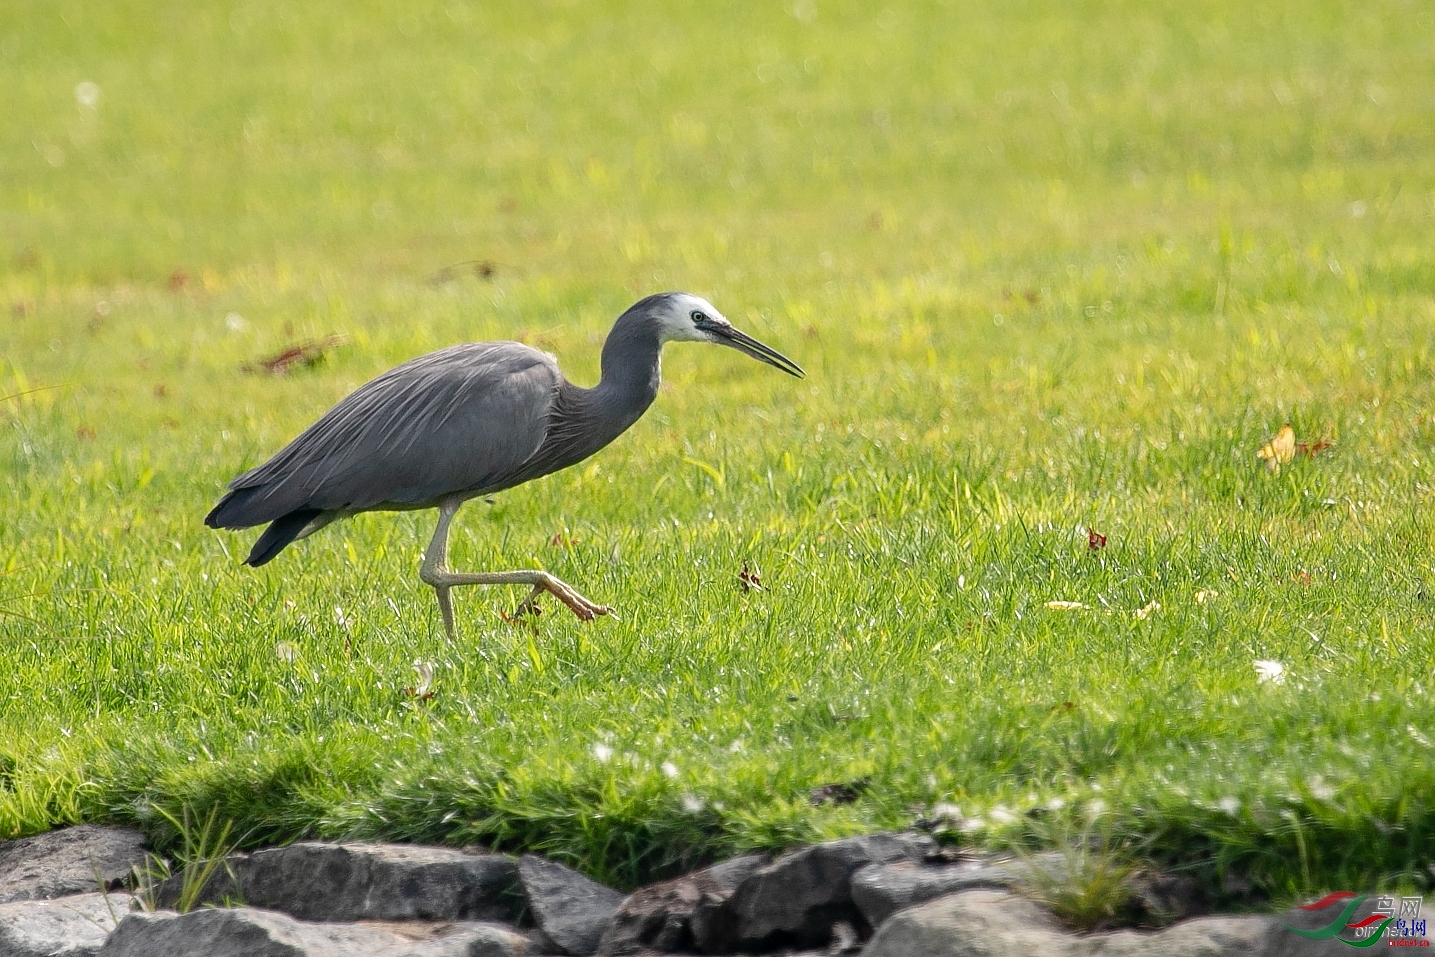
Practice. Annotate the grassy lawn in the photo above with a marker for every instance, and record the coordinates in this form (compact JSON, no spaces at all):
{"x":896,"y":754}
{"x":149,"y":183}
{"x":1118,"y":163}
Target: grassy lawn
{"x":1051,"y":267}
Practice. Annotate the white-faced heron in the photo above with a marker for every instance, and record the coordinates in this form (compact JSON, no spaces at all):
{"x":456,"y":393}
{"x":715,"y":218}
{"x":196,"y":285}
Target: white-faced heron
{"x":469,"y":420}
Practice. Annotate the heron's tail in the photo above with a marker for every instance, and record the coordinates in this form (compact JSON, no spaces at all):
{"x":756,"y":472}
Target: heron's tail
{"x":236,"y":509}
{"x":279,"y":534}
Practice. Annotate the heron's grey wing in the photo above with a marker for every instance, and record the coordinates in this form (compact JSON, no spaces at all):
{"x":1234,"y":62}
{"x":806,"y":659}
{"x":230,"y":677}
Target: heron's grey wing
{"x":462,"y":419}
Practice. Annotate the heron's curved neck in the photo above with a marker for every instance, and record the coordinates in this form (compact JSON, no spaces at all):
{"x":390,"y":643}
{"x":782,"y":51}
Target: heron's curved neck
{"x":631,"y":364}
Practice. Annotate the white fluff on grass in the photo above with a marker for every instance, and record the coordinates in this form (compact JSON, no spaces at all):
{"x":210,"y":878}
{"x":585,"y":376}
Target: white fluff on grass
{"x":1269,"y":671}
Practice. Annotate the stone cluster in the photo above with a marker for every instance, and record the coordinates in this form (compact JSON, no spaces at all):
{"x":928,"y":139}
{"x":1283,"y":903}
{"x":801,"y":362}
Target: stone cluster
{"x":70,"y":893}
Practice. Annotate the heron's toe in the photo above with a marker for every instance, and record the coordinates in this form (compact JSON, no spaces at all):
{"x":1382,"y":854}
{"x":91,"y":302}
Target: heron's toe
{"x":586,"y":610}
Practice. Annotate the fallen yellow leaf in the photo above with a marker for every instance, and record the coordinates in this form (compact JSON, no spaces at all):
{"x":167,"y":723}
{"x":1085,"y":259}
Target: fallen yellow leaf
{"x":1280,"y":449}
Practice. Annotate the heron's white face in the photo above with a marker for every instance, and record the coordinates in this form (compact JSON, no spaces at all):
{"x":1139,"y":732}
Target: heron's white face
{"x":679,"y":322}
{"x":682,"y":317}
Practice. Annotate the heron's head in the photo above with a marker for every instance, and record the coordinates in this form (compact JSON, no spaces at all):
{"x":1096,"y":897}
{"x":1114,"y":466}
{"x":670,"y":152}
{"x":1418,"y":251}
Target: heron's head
{"x":682,"y":317}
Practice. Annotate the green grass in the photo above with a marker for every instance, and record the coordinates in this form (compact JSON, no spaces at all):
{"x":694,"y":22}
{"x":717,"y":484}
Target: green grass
{"x":1050,"y":266}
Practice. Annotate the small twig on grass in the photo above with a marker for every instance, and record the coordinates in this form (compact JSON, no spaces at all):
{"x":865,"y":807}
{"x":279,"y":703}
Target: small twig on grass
{"x":480,"y":268}
{"x":16,"y":614}
{"x":307,"y":353}
{"x":25,"y":392}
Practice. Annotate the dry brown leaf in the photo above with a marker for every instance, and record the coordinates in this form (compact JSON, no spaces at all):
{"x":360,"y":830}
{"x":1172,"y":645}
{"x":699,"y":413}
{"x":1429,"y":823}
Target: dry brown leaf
{"x":307,"y":353}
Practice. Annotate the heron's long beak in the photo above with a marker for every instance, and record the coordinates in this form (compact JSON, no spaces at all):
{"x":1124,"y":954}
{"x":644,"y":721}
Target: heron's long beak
{"x":745,"y":343}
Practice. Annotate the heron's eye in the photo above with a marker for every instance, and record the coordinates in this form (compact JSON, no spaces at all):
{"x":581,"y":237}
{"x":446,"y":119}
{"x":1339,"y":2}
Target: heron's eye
{"x":698,"y":318}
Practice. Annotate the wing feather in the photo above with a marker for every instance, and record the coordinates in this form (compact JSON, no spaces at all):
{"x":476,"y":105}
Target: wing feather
{"x":463,"y":419}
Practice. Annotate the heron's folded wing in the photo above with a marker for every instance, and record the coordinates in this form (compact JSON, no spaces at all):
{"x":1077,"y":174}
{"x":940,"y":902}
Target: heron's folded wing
{"x":457,"y":420}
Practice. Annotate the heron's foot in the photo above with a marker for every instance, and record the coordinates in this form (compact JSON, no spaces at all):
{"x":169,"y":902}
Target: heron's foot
{"x":577,"y":604}
{"x":442,"y":579}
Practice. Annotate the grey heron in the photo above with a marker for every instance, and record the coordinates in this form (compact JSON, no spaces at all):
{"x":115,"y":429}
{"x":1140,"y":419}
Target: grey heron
{"x":469,"y":420}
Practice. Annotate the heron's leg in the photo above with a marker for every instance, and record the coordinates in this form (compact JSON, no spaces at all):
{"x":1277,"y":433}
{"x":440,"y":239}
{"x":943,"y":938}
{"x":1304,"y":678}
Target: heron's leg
{"x":435,"y":572}
{"x":436,"y":562}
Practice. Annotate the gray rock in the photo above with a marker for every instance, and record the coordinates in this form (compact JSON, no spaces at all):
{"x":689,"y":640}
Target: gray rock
{"x":246,"y":932}
{"x":350,"y":882}
{"x":539,"y":942}
{"x":74,"y":926}
{"x":796,"y":900}
{"x":571,"y":909}
{"x":976,"y":923}
{"x":659,"y":917}
{"x":1201,"y":937}
{"x":993,"y":923}
{"x":1160,"y":897}
{"x":880,"y":890}
{"x":475,"y":940}
{"x":73,"y":860}
{"x":251,"y":932}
